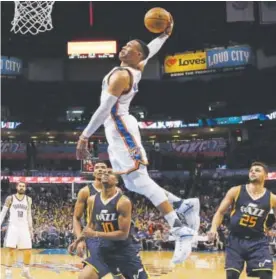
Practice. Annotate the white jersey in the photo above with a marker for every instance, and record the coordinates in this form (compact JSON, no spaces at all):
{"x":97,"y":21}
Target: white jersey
{"x":121,"y":129}
{"x":122,"y":106}
{"x":19,"y":211}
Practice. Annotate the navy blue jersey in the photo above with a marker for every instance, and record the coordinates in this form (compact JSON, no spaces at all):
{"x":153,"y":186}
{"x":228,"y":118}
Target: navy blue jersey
{"x":92,"y":191}
{"x":248,"y":216}
{"x":105,"y":219}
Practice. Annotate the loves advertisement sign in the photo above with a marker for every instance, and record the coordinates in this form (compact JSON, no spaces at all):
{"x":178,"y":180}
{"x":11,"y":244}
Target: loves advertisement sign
{"x":185,"y":62}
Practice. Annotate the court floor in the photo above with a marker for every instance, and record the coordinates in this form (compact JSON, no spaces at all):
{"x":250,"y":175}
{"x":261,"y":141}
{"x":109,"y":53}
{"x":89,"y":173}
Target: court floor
{"x":60,"y":265}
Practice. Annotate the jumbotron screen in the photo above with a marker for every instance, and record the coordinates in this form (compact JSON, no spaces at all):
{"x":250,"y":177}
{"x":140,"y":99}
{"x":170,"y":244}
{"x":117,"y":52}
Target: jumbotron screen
{"x":91,"y":49}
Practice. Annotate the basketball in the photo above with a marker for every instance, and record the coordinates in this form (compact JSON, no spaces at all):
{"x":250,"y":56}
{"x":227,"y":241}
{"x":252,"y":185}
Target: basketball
{"x":157,"y":20}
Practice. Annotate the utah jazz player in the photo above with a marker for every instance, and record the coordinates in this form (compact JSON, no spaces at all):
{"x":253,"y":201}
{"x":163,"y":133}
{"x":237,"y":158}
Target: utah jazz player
{"x":251,"y":204}
{"x":81,"y":209}
{"x":81,"y":203}
{"x":110,"y":221}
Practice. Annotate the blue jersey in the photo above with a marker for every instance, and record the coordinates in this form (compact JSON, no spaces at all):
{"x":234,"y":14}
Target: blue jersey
{"x":92,"y":191}
{"x":105,"y":219}
{"x":249,"y":216}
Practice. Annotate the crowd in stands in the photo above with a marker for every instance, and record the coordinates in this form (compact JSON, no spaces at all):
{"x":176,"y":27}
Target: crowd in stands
{"x":53,"y":210}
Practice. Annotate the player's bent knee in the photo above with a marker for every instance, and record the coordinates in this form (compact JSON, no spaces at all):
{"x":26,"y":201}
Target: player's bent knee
{"x":232,"y":274}
{"x":140,"y":182}
{"x":88,"y":273}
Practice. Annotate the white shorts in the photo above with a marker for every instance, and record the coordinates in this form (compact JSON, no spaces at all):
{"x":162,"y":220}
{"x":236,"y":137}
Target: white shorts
{"x":125,"y":148}
{"x":18,"y":237}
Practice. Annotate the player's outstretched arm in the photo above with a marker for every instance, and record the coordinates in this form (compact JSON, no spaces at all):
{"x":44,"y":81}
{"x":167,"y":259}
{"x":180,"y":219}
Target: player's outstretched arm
{"x":118,"y":83}
{"x":156,"y":44}
{"x":225,"y":204}
{"x":124,"y":219}
{"x":5,"y":209}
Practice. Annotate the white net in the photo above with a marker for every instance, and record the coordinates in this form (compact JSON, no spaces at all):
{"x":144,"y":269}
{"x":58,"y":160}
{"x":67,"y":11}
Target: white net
{"x":32,"y":17}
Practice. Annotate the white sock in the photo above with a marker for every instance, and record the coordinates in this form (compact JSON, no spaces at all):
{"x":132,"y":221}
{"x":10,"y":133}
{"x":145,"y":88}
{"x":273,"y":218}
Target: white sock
{"x":172,"y":198}
{"x":26,"y":268}
{"x":171,"y":218}
{"x":8,"y":270}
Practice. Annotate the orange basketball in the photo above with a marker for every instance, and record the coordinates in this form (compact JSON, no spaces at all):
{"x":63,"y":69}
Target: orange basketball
{"x":157,"y":20}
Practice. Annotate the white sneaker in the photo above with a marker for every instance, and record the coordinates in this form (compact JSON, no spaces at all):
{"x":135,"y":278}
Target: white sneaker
{"x":26,"y":274}
{"x":8,"y":274}
{"x":190,"y":210}
{"x":183,"y":243}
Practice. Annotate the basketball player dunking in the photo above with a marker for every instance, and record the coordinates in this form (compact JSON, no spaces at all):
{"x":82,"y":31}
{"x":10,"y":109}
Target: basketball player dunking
{"x":251,"y":204}
{"x":20,"y":228}
{"x":126,"y":153}
{"x":109,"y":214}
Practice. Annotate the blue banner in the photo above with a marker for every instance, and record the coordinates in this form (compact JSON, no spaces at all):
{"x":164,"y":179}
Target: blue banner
{"x":11,"y":66}
{"x":229,"y":57}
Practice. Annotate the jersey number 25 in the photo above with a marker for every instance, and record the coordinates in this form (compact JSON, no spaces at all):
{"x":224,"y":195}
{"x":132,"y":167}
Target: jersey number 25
{"x":248,"y":221}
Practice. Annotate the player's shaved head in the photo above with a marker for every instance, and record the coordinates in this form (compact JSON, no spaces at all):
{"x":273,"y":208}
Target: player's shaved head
{"x":143,"y":48}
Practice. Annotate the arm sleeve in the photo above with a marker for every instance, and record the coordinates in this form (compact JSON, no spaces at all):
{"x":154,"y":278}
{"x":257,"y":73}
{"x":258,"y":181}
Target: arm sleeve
{"x":3,"y":214}
{"x":100,"y":115}
{"x":155,"y":45}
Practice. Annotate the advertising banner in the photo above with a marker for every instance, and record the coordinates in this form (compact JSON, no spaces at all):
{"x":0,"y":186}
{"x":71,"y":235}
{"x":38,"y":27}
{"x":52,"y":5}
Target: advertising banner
{"x":41,"y":180}
{"x":9,"y":125}
{"x":181,"y":64}
{"x":229,"y":57}
{"x":208,"y":148}
{"x":13,"y":150}
{"x":11,"y":66}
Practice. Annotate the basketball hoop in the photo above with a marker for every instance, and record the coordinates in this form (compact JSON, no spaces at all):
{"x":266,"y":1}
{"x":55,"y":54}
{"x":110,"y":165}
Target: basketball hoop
{"x":32,"y":17}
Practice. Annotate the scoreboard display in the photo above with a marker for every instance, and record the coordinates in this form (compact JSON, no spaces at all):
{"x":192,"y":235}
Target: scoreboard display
{"x":91,"y":49}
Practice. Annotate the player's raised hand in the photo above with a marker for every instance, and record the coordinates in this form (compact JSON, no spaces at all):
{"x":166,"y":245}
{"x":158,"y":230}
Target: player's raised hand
{"x":82,"y":149}
{"x":169,"y":29}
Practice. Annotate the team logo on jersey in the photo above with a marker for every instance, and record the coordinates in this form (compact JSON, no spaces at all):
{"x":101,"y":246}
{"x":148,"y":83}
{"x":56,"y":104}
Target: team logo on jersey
{"x":105,"y":216}
{"x":253,"y":210}
{"x":20,"y":206}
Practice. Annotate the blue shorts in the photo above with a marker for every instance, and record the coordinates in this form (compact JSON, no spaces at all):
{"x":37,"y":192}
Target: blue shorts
{"x":124,"y":260}
{"x":254,"y":251}
{"x":96,"y":260}
{"x":127,"y":260}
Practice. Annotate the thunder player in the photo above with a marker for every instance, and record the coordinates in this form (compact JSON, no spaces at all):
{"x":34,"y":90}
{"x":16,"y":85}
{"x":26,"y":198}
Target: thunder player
{"x":126,"y":153}
{"x":109,"y":222}
{"x":251,"y":204}
{"x":20,"y":228}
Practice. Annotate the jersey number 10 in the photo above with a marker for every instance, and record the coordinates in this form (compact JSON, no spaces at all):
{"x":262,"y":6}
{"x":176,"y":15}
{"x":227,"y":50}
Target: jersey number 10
{"x":108,"y":227}
{"x":248,"y":221}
